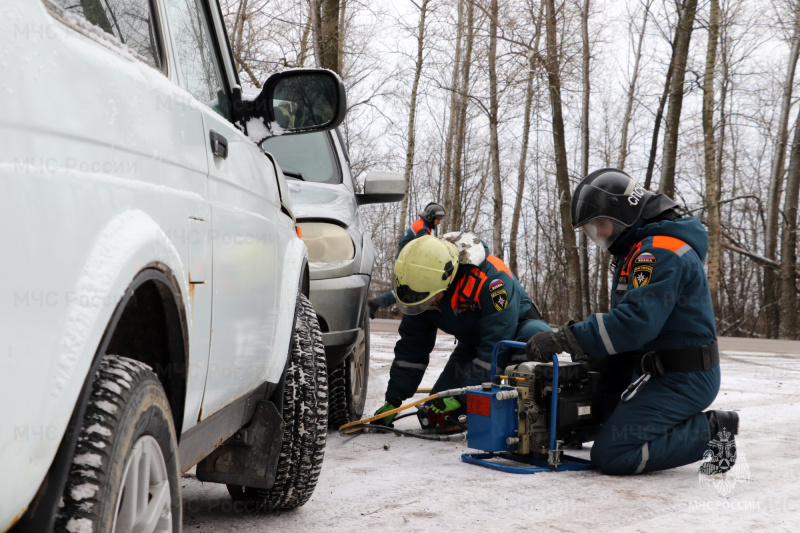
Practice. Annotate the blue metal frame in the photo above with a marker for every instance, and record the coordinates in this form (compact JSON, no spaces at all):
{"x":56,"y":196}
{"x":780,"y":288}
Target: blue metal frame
{"x":567,"y":462}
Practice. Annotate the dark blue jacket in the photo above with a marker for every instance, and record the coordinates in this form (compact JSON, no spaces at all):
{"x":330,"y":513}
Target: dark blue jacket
{"x":483,"y":305}
{"x":417,"y":229}
{"x":660,"y":297}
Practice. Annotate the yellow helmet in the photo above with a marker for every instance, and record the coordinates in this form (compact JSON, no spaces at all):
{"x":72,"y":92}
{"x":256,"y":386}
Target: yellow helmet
{"x":425,"y":267}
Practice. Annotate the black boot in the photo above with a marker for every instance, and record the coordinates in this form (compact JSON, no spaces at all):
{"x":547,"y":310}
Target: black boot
{"x":721,"y":454}
{"x":373,"y":305}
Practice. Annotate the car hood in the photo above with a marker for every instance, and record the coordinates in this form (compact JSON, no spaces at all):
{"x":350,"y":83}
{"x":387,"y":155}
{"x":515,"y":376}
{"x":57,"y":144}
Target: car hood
{"x":323,"y":201}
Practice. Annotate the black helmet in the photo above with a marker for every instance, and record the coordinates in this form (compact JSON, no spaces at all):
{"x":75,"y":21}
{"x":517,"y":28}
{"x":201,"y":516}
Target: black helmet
{"x":431,"y":212}
{"x":608,"y":193}
{"x":612,"y":194}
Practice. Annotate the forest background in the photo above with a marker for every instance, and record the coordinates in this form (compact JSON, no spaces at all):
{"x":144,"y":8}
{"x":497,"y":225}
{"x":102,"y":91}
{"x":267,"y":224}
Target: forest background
{"x":497,"y":109}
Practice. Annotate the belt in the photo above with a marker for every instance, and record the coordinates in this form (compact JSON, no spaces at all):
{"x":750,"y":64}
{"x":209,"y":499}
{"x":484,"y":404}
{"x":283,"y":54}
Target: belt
{"x":656,"y":364}
{"x":691,"y":359}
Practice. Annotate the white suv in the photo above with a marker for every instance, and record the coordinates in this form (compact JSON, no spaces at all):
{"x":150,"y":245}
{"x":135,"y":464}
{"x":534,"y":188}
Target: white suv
{"x":154,"y":289}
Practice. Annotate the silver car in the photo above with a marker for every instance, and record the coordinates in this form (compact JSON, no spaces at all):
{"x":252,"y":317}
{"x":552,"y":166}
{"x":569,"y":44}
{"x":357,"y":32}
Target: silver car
{"x":340,"y":253}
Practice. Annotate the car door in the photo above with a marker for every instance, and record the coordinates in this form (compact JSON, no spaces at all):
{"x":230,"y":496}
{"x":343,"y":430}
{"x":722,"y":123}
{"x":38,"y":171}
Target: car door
{"x":245,"y":203}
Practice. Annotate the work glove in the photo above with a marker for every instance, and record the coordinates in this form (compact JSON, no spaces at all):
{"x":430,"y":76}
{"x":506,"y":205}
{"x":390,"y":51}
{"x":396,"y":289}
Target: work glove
{"x":374,"y":304}
{"x":543,"y":344}
{"x":391,"y":403}
{"x":445,"y":405}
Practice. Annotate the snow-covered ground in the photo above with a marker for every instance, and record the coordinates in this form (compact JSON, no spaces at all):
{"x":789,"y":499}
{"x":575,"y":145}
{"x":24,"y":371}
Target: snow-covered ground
{"x":418,"y":485}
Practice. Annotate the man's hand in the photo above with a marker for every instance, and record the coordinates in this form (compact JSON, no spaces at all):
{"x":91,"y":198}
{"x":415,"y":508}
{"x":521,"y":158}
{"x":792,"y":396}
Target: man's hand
{"x":391,"y":403}
{"x":542,"y":345}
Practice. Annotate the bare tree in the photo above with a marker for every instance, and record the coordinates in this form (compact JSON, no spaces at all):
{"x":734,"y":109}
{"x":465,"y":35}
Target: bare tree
{"x":552,"y":66}
{"x":585,"y":99}
{"x":776,"y":177}
{"x":412,"y":110}
{"x":788,"y":295}
{"x":494,"y":147}
{"x":526,"y":130}
{"x":461,"y":121}
{"x":454,"y":116}
{"x":680,"y":52}
{"x":709,"y":144}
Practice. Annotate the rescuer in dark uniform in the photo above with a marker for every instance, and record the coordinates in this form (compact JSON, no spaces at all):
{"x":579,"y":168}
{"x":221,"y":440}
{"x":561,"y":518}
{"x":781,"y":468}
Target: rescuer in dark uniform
{"x":453,"y":284}
{"x":426,"y":224}
{"x":660,"y":331}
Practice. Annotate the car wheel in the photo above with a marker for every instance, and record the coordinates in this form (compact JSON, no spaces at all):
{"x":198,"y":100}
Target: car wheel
{"x":124,"y":475}
{"x":348,"y":383}
{"x":305,"y":415}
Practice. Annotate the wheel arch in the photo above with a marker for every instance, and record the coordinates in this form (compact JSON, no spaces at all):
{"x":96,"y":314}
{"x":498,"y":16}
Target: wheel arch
{"x":154,"y":285}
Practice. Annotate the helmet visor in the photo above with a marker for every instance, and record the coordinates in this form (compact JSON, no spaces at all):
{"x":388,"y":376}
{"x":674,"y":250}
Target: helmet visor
{"x":603,"y":231}
{"x":411,"y":302}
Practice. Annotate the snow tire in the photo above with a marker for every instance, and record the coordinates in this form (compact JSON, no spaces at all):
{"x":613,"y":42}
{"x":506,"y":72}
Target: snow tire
{"x":305,"y":415}
{"x":348,"y":383}
{"x":127,"y":448}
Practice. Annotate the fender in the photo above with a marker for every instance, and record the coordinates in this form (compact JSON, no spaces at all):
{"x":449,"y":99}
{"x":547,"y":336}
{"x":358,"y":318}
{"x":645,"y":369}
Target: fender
{"x":128,"y":241}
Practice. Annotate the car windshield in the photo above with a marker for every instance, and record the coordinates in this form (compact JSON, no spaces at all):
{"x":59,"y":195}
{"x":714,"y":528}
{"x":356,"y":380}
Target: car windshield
{"x":306,"y":157}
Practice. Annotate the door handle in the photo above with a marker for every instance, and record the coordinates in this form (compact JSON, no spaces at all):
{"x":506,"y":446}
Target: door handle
{"x":219,"y":144}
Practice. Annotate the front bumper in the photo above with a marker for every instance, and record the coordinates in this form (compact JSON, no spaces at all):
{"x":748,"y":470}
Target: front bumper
{"x":340,"y":307}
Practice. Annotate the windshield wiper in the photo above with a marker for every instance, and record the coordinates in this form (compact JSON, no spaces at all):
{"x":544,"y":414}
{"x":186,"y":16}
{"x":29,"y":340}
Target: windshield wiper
{"x":294,"y":175}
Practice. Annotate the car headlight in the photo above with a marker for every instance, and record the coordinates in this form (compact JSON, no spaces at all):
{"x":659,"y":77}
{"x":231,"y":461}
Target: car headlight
{"x":327,"y":242}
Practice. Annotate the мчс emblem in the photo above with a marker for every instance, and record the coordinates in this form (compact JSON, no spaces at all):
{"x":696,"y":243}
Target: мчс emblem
{"x":641,"y":276}
{"x":500,"y":299}
{"x":723,"y":465}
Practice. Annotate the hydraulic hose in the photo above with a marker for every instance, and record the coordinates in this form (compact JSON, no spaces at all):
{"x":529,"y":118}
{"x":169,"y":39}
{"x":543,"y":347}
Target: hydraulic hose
{"x":457,"y":437}
{"x":358,"y":424}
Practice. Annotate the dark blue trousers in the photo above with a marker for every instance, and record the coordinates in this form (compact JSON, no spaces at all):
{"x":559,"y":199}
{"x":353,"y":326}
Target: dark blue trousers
{"x":661,"y":427}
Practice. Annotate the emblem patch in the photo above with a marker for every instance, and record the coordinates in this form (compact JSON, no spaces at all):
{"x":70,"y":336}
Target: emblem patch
{"x":645,"y":258}
{"x":496,"y":284}
{"x":500,"y":299}
{"x":642,"y":275}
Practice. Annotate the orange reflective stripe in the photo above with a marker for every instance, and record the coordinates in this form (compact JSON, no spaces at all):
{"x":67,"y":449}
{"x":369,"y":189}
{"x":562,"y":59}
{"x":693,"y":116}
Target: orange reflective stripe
{"x":417,"y":225}
{"x":668,"y":243}
{"x":480,"y":285}
{"x":499,"y":264}
{"x":469,"y":286}
{"x":626,"y":264}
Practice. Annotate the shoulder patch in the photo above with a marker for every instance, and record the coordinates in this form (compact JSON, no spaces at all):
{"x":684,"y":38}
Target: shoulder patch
{"x":642,"y":275}
{"x":645,"y":258}
{"x":500,"y":299}
{"x":495,"y":284}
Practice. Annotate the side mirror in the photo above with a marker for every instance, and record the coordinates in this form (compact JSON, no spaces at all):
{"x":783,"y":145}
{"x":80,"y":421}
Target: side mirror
{"x":294,"y":101}
{"x":382,"y":188}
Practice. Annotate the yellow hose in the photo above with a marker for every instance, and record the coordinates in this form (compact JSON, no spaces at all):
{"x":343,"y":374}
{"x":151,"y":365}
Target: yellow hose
{"x":387,"y":413}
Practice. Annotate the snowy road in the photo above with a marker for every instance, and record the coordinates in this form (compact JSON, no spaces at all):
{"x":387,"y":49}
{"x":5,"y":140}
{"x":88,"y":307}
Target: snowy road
{"x":418,"y":485}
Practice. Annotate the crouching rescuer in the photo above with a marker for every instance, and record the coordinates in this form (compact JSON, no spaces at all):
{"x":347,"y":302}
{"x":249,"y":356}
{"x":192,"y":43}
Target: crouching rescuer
{"x":453,"y":284}
{"x":657,"y":345}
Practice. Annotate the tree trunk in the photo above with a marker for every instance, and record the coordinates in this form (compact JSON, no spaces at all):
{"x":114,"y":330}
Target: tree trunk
{"x":523,"y":157}
{"x":584,"y":241}
{"x":461,"y":137}
{"x":776,"y":177}
{"x":412,"y":112}
{"x":494,"y":145}
{"x":626,"y":119}
{"x":788,"y":298}
{"x":683,"y":34}
{"x":709,"y":145}
{"x":328,"y":36}
{"x":562,"y":174}
{"x":452,"y":127}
